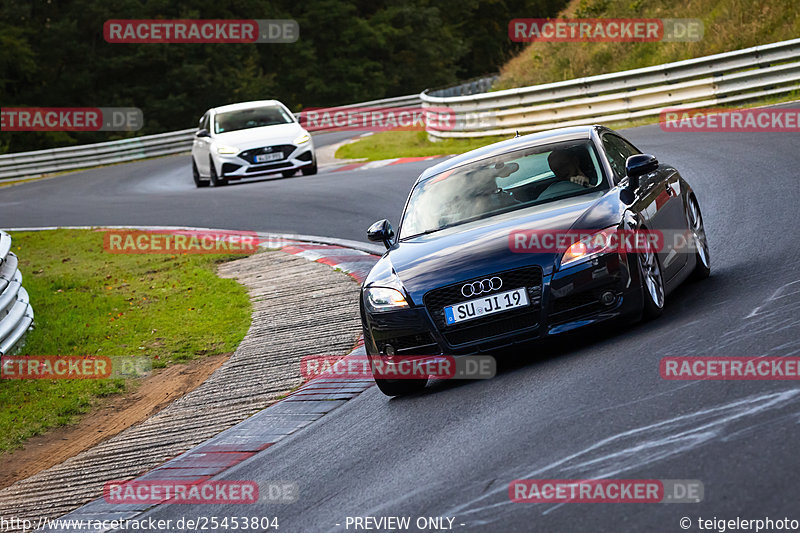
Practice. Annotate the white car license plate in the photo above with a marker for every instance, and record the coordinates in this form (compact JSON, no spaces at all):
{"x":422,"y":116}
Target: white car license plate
{"x":486,"y":305}
{"x":263,"y":158}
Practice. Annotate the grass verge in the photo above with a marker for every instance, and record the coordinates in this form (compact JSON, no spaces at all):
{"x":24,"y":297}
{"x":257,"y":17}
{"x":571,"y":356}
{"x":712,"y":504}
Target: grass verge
{"x":170,"y":308}
{"x":392,"y":144}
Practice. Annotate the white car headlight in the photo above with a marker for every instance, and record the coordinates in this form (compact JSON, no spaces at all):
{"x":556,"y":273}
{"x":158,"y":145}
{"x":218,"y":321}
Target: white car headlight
{"x":222,"y":149}
{"x":304,"y":138}
{"x":380,"y":299}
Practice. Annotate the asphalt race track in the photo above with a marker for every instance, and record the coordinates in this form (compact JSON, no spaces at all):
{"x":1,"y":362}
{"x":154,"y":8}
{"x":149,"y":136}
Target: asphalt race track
{"x":161,"y":192}
{"x":580,"y":408}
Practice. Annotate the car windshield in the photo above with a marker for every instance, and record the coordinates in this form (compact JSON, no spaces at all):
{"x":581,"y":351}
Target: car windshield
{"x":500,"y":184}
{"x":255,"y":117}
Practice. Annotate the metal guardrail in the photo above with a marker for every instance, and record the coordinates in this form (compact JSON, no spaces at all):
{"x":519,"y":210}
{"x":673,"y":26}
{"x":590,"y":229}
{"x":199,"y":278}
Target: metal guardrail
{"x":397,"y":101}
{"x":32,"y":164}
{"x":702,"y":82}
{"x":475,"y":86}
{"x":16,"y":313}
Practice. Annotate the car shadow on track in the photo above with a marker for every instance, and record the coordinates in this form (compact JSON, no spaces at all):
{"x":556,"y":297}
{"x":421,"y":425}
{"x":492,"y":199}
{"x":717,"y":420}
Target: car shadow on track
{"x":262,"y":179}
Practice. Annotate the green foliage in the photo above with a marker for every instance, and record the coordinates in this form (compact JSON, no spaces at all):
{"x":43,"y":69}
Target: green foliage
{"x":52,"y":53}
{"x":729,"y":25}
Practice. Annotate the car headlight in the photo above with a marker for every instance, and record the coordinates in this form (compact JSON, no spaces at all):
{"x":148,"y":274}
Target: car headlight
{"x":304,"y":138}
{"x":590,"y":247}
{"x":381,"y":299}
{"x":222,"y":149}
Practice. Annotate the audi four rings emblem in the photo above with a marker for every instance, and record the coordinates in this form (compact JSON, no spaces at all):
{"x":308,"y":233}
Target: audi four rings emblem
{"x":479,"y":287}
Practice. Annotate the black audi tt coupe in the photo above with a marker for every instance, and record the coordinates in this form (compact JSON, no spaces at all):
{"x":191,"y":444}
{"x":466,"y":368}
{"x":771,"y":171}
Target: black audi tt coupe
{"x":486,"y":254}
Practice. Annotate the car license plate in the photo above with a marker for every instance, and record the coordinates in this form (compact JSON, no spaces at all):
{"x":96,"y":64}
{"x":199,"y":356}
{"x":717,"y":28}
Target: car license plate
{"x":486,"y":305}
{"x":263,"y":158}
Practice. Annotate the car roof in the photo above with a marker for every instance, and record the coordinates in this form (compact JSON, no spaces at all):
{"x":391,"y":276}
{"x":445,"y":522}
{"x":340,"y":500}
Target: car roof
{"x":510,"y":145}
{"x":245,"y":105}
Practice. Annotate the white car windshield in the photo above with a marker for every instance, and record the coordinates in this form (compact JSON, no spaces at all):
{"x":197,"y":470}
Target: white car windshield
{"x":255,"y":117}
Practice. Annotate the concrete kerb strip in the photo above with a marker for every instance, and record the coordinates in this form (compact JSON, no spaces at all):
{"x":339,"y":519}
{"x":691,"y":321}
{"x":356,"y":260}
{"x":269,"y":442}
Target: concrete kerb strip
{"x":371,"y":165}
{"x":326,"y":155}
{"x":255,"y":434}
{"x":227,"y":449}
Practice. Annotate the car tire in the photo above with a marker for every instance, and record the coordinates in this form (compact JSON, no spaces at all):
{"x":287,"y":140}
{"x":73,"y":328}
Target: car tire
{"x":702,"y":267}
{"x":216,"y":180}
{"x":311,"y":170}
{"x":196,"y":176}
{"x":289,"y":173}
{"x":399,"y":387}
{"x":653,"y":292}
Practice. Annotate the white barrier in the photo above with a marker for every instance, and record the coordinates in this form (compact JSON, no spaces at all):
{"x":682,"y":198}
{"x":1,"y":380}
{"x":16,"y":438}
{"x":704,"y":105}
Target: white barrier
{"x":16,"y":313}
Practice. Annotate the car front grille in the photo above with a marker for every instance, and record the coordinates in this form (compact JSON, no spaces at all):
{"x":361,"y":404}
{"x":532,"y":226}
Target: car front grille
{"x":491,"y":325}
{"x":250,"y":155}
{"x":271,"y":166}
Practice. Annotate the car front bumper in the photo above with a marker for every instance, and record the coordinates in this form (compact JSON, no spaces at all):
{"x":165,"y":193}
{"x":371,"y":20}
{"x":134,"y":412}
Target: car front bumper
{"x":594,"y":292}
{"x":237,"y":166}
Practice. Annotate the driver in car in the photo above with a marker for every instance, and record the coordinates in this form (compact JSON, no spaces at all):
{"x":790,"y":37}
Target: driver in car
{"x":565,"y":166}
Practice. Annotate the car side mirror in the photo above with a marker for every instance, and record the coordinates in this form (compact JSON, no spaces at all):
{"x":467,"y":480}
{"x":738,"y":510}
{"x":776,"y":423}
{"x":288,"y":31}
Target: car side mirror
{"x":381,"y":231}
{"x":202,"y":133}
{"x":627,"y":196}
{"x":638,"y":165}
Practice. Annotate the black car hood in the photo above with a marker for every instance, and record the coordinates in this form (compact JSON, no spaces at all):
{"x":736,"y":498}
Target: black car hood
{"x":482,"y":247}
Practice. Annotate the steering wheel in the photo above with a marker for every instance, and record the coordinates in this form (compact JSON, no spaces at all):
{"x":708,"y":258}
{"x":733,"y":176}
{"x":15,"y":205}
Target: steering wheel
{"x":558,"y":188}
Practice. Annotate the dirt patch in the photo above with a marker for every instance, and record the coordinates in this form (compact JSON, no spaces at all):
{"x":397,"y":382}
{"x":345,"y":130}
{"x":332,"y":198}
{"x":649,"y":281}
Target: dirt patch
{"x":108,"y":418}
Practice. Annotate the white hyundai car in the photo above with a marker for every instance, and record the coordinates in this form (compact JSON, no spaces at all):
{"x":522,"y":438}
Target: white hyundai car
{"x":250,"y":139}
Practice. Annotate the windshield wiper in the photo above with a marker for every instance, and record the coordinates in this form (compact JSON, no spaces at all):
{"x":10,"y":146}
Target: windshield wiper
{"x":426,"y":232}
{"x":434,"y":230}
